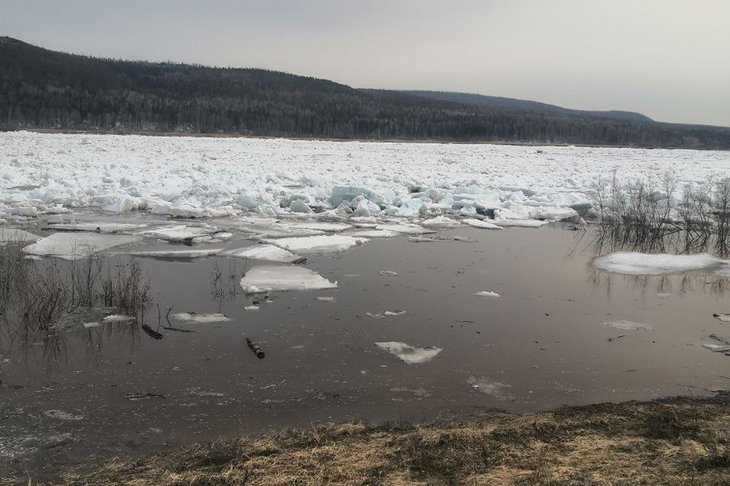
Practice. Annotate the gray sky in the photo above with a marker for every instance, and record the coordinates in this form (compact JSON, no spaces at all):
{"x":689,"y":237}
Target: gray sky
{"x":668,"y":59}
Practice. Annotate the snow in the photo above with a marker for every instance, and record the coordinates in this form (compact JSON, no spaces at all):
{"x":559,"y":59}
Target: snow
{"x":317,"y":244}
{"x":478,"y":223}
{"x":283,"y":277}
{"x":72,"y":246}
{"x":634,"y":263}
{"x":208,"y":177}
{"x":269,"y":253}
{"x":487,"y":293}
{"x":628,"y":325}
{"x":200,"y":318}
{"x":409,"y":354}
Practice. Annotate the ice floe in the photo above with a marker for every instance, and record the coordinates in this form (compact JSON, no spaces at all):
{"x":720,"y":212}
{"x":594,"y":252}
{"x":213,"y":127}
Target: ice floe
{"x":267,"y":252}
{"x":72,"y":246}
{"x":97,"y":227}
{"x":200,"y":318}
{"x":634,"y":263}
{"x":317,"y":244}
{"x":478,"y":223}
{"x":487,"y":293}
{"x":521,"y":223}
{"x":118,"y":318}
{"x":375,"y":233}
{"x":180,"y":233}
{"x":625,"y":325}
{"x":175,"y":253}
{"x":325,"y":298}
{"x":283,"y":277}
{"x":722,"y":317}
{"x":409,"y":354}
{"x":441,"y":222}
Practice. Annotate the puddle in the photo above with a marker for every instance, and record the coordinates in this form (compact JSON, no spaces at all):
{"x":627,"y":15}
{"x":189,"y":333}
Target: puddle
{"x":109,"y":387}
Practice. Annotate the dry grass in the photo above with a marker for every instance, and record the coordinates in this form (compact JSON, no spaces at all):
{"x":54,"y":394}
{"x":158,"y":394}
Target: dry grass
{"x":672,"y":442}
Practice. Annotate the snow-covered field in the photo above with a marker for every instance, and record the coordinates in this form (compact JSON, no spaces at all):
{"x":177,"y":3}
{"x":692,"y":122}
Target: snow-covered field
{"x":214,"y":177}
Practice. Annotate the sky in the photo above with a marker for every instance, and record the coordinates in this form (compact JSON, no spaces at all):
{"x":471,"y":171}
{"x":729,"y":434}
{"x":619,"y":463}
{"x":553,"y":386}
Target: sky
{"x":668,"y":59}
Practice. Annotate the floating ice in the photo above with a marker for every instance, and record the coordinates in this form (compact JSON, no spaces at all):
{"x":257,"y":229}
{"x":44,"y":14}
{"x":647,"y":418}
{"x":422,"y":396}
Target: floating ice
{"x":61,"y":415}
{"x":489,"y":387}
{"x":387,"y":273}
{"x":328,"y":227}
{"x":409,"y":354}
{"x":634,"y":263}
{"x":717,"y":348}
{"x":722,"y":317}
{"x":478,"y":223}
{"x":521,"y":223}
{"x":72,"y":246}
{"x":441,"y":222}
{"x":117,"y":318}
{"x":97,"y":227}
{"x":283,"y":277}
{"x":179,"y":233}
{"x":182,"y":254}
{"x":270,"y":253}
{"x":251,"y":308}
{"x":325,"y":298}
{"x":13,"y":235}
{"x":628,"y":325}
{"x":406,"y":229}
{"x":375,"y":234}
{"x":200,"y":318}
{"x":89,"y":325}
{"x":487,"y":293}
{"x":318,"y":244}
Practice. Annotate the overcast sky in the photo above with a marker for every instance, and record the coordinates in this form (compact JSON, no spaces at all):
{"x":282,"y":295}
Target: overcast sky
{"x":668,"y":59}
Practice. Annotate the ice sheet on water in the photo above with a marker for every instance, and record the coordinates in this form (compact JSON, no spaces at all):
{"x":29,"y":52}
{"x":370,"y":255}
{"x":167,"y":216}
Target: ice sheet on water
{"x":283,"y":277}
{"x":487,"y":293}
{"x":521,"y":223}
{"x":634,"y":263}
{"x":177,"y":253}
{"x":319,"y":226}
{"x":200,"y":318}
{"x":625,"y":325}
{"x":318,"y":244}
{"x":99,"y":227}
{"x":375,"y":233}
{"x":14,"y":235}
{"x":117,"y":318}
{"x":270,"y":253}
{"x":440,"y":222}
{"x":722,"y":317}
{"x":478,"y":223}
{"x":409,"y":354}
{"x":179,"y":233}
{"x":406,"y":229}
{"x":72,"y":246}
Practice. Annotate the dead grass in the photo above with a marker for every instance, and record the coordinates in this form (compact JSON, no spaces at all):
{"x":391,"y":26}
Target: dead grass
{"x":672,"y":442}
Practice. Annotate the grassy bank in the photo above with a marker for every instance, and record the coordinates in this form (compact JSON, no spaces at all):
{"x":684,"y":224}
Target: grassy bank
{"x":676,"y":441}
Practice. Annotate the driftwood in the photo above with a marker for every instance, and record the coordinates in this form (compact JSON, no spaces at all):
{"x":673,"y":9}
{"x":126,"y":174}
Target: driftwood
{"x":151,"y":332}
{"x":255,"y":348}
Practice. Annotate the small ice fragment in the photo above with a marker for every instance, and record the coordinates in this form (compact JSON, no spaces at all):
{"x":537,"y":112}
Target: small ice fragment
{"x":201,"y":318}
{"x":489,"y":387}
{"x":118,"y":318}
{"x":375,"y":316}
{"x":61,"y":415}
{"x":440,"y":222}
{"x":387,"y":273}
{"x":522,"y":223}
{"x":326,"y":298}
{"x":663,"y":295}
{"x":409,"y":354}
{"x":722,"y":317}
{"x":318,"y":244}
{"x":478,"y":223}
{"x":89,"y":325}
{"x":375,"y":234}
{"x":283,"y":277}
{"x":179,"y":233}
{"x":269,"y":253}
{"x":717,"y":348}
{"x":251,"y":308}
{"x":394,"y":313}
{"x":487,"y":293}
{"x":625,"y":325}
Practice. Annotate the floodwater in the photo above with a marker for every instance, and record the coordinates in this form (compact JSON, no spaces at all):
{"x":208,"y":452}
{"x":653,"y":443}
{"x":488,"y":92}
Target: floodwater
{"x":112,"y":390}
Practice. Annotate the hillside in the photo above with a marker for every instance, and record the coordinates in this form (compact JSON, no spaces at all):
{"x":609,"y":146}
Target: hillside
{"x":40,"y":88}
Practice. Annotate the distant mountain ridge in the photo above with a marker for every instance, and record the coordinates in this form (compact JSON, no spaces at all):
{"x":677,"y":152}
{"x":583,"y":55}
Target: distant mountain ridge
{"x":45,"y":89}
{"x":513,"y":103}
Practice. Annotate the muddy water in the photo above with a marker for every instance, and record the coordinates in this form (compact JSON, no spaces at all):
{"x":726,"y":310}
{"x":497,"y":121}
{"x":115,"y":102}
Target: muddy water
{"x":113,"y":390}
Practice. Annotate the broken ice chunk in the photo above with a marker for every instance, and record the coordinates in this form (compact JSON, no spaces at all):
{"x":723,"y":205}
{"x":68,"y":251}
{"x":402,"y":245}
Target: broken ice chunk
{"x":269,"y":253}
{"x":283,"y":277}
{"x":318,"y":244}
{"x":72,"y":246}
{"x":722,"y":317}
{"x":478,"y":223}
{"x":409,"y":354}
{"x":200,"y":318}
{"x":522,"y":223}
{"x":440,"y":222}
{"x":183,"y":254}
{"x":487,"y":293}
{"x":628,"y":325}
{"x":634,"y":263}
{"x":179,"y":233}
{"x":118,"y":318}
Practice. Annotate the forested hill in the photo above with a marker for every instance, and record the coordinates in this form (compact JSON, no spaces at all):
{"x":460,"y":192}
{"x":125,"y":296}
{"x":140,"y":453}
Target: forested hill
{"x":45,"y":89}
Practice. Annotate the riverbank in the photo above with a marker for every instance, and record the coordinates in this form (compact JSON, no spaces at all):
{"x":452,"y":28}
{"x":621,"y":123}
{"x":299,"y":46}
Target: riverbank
{"x":672,"y":441}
